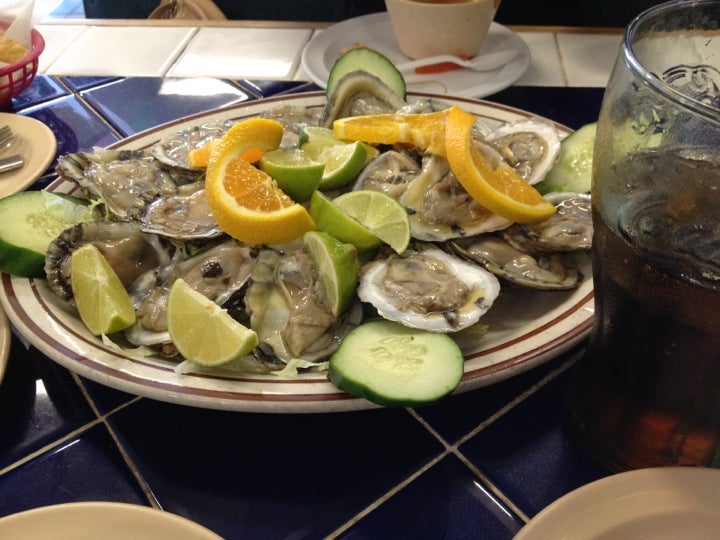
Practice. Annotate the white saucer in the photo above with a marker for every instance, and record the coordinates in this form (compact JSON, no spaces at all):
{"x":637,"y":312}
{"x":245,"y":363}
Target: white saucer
{"x":659,"y":503}
{"x":37,"y":145}
{"x":375,"y":31}
{"x":106,"y":520}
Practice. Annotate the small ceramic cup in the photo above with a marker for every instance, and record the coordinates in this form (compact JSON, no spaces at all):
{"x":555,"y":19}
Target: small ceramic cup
{"x":430,"y":27}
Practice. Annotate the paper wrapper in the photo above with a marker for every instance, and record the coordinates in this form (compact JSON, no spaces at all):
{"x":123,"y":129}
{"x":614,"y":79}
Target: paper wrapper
{"x":17,"y":39}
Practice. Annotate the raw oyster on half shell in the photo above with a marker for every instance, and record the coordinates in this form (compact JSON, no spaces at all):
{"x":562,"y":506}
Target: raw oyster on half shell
{"x":428,"y":288}
{"x":530,"y":146}
{"x":286,"y":307}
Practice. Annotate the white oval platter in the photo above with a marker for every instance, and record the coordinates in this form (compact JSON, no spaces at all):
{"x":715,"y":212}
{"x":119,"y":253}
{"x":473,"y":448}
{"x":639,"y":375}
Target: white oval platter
{"x":526,"y":327}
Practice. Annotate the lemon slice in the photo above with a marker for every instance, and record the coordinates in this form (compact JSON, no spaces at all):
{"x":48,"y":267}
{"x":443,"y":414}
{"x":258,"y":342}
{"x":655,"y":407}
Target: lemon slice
{"x":102,"y":302}
{"x":382,"y":215}
{"x":329,"y":218}
{"x":342,"y":160}
{"x":245,"y":201}
{"x":501,"y":190}
{"x":202,"y":331}
{"x":337,"y":264}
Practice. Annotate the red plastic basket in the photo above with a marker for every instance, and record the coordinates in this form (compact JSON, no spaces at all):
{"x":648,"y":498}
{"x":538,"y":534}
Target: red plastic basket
{"x":16,"y":77}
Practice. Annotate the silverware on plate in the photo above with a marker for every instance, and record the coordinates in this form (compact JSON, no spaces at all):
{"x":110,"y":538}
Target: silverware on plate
{"x":11,"y":163}
{"x":7,"y":142}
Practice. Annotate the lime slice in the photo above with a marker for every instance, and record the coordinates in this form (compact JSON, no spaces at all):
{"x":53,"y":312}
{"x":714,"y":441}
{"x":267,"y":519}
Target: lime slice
{"x":381,"y":214}
{"x":102,"y":301}
{"x":202,"y":331}
{"x":330,"y":219}
{"x":338,"y":266}
{"x":293,"y":170}
{"x":342,"y":160}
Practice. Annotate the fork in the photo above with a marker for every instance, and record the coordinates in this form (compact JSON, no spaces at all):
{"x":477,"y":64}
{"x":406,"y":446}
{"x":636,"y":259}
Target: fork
{"x":7,"y":139}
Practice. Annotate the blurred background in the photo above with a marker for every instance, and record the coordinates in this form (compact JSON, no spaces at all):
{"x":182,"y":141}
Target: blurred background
{"x":612,"y":13}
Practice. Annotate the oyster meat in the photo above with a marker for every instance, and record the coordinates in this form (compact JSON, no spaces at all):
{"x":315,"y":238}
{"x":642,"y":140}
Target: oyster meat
{"x":220,"y":272}
{"x":129,"y":251}
{"x":440,"y":208}
{"x":390,"y":172}
{"x":569,"y":229}
{"x":428,"y":288}
{"x":286,"y":308}
{"x":530,"y":146}
{"x":185,"y":215}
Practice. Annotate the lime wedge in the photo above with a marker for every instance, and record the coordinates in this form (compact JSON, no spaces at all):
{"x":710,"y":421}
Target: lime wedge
{"x":343,"y":160}
{"x":202,"y":331}
{"x":338,"y":266}
{"x":382,"y":215}
{"x":294,"y":171}
{"x":330,"y":219}
{"x":102,"y":302}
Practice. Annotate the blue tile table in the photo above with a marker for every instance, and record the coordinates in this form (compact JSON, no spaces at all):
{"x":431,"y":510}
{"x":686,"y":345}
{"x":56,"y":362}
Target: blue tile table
{"x":476,"y":465}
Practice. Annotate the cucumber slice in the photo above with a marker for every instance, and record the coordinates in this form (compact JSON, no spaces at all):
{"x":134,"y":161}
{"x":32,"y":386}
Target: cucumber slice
{"x":29,"y":221}
{"x":396,"y":366}
{"x":573,"y":169}
{"x":370,"y":61}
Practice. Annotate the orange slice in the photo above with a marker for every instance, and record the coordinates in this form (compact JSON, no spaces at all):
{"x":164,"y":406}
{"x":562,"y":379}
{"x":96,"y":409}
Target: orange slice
{"x":501,"y":190}
{"x":245,"y":201}
{"x":425,"y":131}
{"x":199,"y":157}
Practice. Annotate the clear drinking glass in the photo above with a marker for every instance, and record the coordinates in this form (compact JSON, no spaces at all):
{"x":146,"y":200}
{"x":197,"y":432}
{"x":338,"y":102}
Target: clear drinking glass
{"x":647,"y":392}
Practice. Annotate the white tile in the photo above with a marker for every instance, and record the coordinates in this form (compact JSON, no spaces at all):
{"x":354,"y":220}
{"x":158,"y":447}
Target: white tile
{"x":122,"y":50}
{"x":57,"y":39}
{"x":588,"y":59}
{"x":545,"y":68}
{"x":260,"y":53}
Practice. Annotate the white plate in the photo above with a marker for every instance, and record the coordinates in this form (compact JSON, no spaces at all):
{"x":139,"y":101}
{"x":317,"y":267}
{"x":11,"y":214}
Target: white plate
{"x":37,"y":145}
{"x":527,"y":327}
{"x":375,"y":31}
{"x":4,"y":342}
{"x":93,"y":520}
{"x":660,"y":503}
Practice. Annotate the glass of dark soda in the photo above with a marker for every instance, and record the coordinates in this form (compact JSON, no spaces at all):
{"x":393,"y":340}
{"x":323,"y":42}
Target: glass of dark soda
{"x":647,"y":393}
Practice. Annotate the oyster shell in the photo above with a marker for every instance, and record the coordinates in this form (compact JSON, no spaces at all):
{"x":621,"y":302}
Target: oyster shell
{"x":293,"y":118}
{"x":428,"y":289}
{"x":530,"y":146}
{"x":541,"y":271}
{"x":173,"y":148}
{"x":124,"y":181}
{"x":360,"y":93}
{"x":129,"y":251}
{"x":569,"y":229}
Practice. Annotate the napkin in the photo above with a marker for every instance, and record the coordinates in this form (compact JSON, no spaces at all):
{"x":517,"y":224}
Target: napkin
{"x":21,"y":26}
